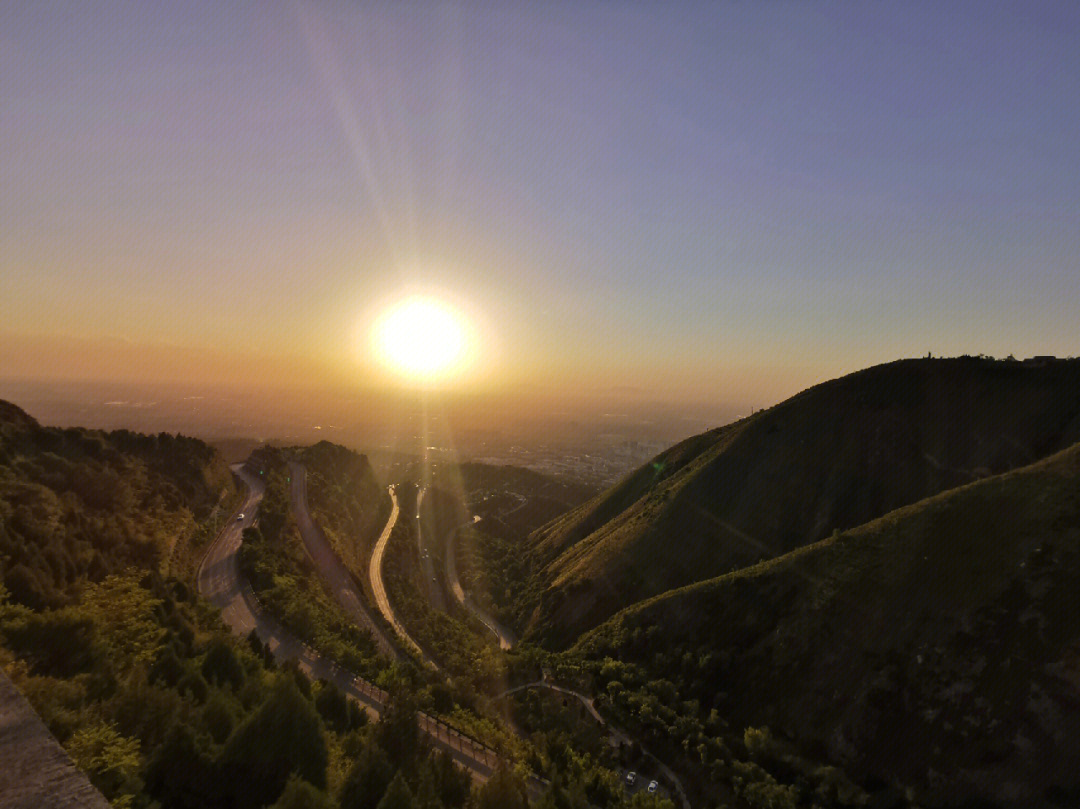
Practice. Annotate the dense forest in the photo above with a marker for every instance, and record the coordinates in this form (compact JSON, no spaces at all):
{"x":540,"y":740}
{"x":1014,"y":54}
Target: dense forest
{"x":76,"y":505}
{"x":139,"y":679}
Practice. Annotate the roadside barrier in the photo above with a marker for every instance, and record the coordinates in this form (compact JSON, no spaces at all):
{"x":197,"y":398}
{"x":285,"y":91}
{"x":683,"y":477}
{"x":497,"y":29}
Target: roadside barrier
{"x":444,"y":735}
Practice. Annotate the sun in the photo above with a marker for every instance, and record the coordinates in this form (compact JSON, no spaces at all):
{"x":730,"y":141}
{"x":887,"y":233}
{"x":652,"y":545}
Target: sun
{"x":422,"y":338}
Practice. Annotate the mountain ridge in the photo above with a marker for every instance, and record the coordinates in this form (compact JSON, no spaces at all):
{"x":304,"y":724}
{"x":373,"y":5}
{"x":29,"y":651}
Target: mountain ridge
{"x":951,"y":619}
{"x":832,"y":457}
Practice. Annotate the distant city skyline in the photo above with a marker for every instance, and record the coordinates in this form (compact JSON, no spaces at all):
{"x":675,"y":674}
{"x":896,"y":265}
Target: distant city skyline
{"x":699,"y":202}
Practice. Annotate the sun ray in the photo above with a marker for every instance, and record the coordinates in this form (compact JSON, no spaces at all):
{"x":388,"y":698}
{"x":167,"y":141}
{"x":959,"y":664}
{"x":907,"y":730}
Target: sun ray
{"x":421,"y":338}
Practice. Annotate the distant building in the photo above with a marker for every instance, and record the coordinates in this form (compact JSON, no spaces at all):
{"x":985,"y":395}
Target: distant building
{"x":1040,"y":360}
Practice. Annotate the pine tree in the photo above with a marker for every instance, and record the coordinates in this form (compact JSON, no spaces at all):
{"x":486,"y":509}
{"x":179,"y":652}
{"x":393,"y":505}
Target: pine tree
{"x":284,"y":736}
{"x":398,"y":795}
{"x":503,"y":790}
{"x":299,"y":794}
{"x":367,"y":780}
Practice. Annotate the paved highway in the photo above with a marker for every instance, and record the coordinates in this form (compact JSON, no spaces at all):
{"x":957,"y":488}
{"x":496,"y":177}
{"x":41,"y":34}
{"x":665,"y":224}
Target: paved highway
{"x":219,"y":581}
{"x":427,"y":565}
{"x":335,"y":576}
{"x":219,"y":575}
{"x":379,"y":588}
{"x":505,"y":636}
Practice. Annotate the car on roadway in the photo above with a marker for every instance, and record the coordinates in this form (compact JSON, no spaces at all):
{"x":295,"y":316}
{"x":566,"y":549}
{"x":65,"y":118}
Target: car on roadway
{"x":653,"y":786}
{"x":631,"y":778}
{"x":240,"y":517}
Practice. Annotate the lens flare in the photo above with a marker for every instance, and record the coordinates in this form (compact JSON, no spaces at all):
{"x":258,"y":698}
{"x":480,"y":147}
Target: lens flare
{"x":422,"y":338}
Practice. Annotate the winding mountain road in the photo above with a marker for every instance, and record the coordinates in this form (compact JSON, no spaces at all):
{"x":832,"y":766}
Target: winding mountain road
{"x":505,"y":636}
{"x":378,"y":586}
{"x":218,"y":579}
{"x":335,"y":576}
{"x":588,"y":702}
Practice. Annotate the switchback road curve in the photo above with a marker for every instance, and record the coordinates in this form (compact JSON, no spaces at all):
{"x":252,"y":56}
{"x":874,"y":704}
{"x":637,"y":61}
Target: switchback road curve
{"x":218,"y":579}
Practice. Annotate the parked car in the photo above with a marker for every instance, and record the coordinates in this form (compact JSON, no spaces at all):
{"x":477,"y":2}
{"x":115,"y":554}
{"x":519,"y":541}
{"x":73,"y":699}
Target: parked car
{"x":240,"y":517}
{"x":653,"y":786}
{"x":631,"y":778}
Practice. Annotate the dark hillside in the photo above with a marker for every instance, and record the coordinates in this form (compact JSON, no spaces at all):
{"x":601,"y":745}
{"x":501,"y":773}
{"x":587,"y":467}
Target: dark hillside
{"x":514,"y":501}
{"x":833,"y":457}
{"x":346,"y":499}
{"x":937,"y":646}
{"x":554,"y":538}
{"x":79,"y":504}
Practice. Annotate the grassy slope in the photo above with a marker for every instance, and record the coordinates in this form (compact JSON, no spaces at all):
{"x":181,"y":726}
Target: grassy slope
{"x":941,"y":638}
{"x":833,"y":457}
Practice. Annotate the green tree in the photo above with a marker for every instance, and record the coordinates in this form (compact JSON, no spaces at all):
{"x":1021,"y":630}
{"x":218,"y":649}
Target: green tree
{"x":339,"y":713}
{"x":111,"y":761}
{"x":221,"y":666}
{"x":58,"y":643}
{"x":427,"y":793}
{"x":643,"y":800}
{"x":181,"y":775}
{"x":504,"y":790}
{"x":124,"y":614}
{"x":146,"y":711}
{"x":193,"y":684}
{"x":299,"y":794}
{"x":398,"y":733}
{"x":453,"y":783}
{"x":367,"y":780}
{"x":282,"y":737}
{"x":398,"y":795}
{"x":218,"y":716}
{"x":168,"y":668}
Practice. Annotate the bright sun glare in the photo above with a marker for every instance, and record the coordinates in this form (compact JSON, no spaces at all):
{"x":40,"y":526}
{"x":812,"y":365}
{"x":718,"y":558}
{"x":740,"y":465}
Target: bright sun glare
{"x":421,"y":337}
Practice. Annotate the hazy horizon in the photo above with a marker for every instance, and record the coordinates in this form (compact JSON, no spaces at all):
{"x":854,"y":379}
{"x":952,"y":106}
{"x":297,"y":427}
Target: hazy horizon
{"x":690,"y":205}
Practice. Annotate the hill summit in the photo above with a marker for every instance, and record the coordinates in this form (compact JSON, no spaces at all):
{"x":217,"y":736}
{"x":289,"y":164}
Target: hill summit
{"x":14,"y":416}
{"x":830,"y":458}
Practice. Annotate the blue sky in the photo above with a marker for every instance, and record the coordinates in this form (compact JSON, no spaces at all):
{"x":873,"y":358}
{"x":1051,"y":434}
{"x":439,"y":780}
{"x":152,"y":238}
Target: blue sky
{"x":720,"y":199}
